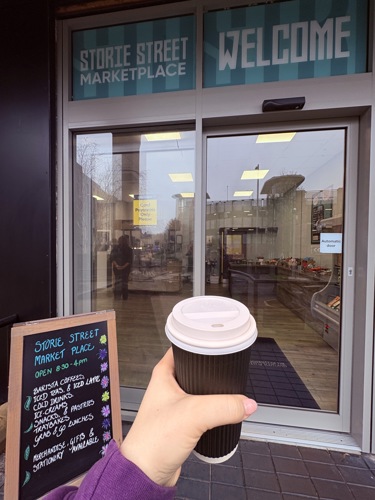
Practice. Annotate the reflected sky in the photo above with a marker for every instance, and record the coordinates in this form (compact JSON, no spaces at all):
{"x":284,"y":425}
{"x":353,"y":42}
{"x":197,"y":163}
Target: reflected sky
{"x":127,"y":166}
{"x":317,"y":155}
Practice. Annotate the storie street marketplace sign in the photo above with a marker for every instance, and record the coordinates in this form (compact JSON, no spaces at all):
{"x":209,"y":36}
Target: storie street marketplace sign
{"x":130,"y":59}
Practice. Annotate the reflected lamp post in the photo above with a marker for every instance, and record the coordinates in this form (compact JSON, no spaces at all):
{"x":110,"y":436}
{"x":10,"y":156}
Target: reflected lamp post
{"x":255,"y":174}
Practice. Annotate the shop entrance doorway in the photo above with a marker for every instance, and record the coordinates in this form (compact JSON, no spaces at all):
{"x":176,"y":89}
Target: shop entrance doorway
{"x":278,"y":226}
{"x":275,"y":219}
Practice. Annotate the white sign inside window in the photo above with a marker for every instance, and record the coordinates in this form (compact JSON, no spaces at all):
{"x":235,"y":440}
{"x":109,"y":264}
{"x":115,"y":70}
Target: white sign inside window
{"x":331,"y":242}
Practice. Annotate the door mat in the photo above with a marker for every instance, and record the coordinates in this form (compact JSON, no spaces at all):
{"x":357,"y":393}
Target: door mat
{"x":273,"y":380}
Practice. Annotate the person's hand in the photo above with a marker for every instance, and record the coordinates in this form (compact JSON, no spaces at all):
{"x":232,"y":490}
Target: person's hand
{"x":170,"y":422}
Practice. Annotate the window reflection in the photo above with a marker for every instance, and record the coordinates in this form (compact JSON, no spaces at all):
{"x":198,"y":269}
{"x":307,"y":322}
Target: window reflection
{"x":138,"y":189}
{"x":275,"y":223}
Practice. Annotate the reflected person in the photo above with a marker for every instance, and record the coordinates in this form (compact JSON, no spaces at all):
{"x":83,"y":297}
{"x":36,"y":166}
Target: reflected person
{"x":122,"y":260}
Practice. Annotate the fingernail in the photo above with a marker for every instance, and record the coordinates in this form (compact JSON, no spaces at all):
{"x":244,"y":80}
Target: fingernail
{"x":250,"y":406}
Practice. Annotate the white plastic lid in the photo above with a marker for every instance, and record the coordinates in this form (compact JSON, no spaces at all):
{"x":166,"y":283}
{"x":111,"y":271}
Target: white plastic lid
{"x":211,"y":325}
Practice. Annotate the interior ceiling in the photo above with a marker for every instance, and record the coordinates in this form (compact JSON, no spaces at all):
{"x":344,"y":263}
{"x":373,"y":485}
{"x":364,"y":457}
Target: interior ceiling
{"x":73,"y":8}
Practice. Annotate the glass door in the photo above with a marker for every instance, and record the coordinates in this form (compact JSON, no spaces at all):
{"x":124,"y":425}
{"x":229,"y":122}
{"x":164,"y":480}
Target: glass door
{"x":275,"y":228}
{"x":133,"y":214}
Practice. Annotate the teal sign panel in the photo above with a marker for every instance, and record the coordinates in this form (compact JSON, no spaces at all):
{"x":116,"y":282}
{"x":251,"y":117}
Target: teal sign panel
{"x":285,"y":41}
{"x":132,"y":59}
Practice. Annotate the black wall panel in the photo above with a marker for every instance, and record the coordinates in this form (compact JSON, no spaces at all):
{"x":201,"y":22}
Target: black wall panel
{"x":27,"y":179}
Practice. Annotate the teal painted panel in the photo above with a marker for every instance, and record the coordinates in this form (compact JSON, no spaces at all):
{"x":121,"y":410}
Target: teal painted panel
{"x":285,"y":41}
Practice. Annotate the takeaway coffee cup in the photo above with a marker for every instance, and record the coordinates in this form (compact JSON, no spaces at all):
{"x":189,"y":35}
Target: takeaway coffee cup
{"x":211,"y":339}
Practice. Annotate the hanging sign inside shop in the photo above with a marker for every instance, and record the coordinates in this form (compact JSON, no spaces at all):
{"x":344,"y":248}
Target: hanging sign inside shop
{"x":285,"y":41}
{"x":64,"y":401}
{"x":131,"y":59}
{"x":145,"y":212}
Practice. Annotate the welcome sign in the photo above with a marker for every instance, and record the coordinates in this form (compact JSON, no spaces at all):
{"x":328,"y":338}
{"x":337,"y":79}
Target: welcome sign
{"x":285,"y":41}
{"x":139,"y":58}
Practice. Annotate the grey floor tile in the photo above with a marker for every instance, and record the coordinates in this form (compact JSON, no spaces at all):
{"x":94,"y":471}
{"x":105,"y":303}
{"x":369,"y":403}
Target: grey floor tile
{"x":316,"y":455}
{"x":253,"y":494}
{"x":347,"y":459}
{"x":257,"y":447}
{"x":193,"y":490}
{"x":299,"y":496}
{"x":257,"y":462}
{"x":324,"y":471}
{"x":296,"y":484}
{"x":234,"y":461}
{"x":362,"y":492}
{"x":228,"y":475}
{"x":226,"y":492}
{"x":332,"y":490}
{"x":196,"y":470}
{"x":370,"y":461}
{"x":352,"y":475}
{"x":290,"y":466}
{"x":284,"y":450}
{"x":261,"y":480}
{"x":194,"y":458}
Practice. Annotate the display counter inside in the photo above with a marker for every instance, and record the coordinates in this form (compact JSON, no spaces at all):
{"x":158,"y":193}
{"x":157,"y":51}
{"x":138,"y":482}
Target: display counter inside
{"x":252,"y":279}
{"x":308,"y":294}
{"x":295,"y":290}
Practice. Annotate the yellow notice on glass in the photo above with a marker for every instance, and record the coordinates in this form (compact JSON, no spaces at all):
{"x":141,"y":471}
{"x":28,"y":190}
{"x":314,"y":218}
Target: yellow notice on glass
{"x":145,"y":212}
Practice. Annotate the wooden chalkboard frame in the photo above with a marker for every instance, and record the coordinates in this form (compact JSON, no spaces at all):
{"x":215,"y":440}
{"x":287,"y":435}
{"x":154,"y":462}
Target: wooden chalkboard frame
{"x":18,"y":334}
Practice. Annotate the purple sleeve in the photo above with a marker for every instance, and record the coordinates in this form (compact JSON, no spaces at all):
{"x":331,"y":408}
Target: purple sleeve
{"x":114,"y":477}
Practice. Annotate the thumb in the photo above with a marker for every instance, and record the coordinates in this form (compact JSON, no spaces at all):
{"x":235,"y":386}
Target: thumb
{"x":223,"y":409}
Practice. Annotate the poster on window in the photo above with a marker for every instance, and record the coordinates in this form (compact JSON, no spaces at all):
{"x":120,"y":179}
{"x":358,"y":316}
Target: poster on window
{"x":145,"y":212}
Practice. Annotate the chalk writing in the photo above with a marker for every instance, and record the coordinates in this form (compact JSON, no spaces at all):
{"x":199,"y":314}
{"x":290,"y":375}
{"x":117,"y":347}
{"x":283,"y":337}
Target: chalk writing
{"x":66,"y":413}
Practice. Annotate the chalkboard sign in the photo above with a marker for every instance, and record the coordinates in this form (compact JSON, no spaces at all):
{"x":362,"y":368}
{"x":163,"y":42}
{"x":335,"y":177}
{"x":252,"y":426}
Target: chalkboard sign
{"x":64,"y":401}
